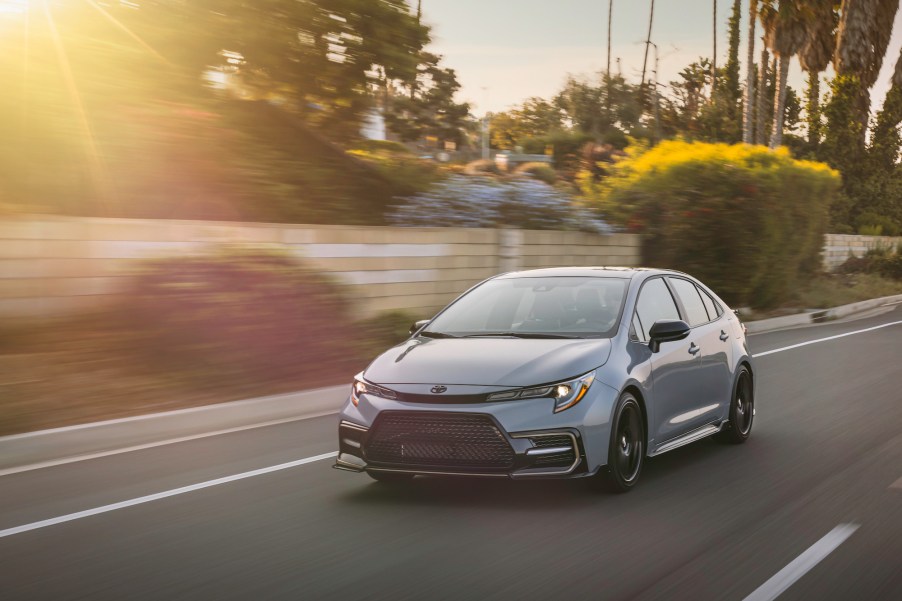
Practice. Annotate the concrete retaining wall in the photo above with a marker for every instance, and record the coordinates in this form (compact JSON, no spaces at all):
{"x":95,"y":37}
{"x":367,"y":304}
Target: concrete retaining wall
{"x":838,"y":247}
{"x":58,"y":265}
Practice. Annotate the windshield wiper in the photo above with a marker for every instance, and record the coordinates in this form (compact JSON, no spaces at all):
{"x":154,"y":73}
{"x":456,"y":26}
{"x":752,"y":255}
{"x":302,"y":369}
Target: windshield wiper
{"x":518,"y":335}
{"x":430,"y":334}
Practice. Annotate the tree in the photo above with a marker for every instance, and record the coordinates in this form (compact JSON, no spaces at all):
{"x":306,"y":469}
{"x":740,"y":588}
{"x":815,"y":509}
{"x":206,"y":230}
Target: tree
{"x":815,"y":55}
{"x":784,"y":29}
{"x":748,"y":123}
{"x":429,"y":109}
{"x":864,"y":31}
{"x":762,"y":115}
{"x":885,"y":141}
{"x":731,"y":71}
{"x":714,"y":39}
{"x":688,"y":96}
{"x":324,"y":58}
{"x":584,"y":103}
{"x":535,"y":118}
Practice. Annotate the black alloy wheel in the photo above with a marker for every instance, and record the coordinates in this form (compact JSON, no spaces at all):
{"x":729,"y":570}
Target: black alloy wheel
{"x":742,"y":409}
{"x":626,"y":454}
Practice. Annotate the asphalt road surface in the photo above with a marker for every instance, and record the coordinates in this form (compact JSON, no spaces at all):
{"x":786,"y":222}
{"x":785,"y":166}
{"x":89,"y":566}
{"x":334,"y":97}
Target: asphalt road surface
{"x":809,"y":508}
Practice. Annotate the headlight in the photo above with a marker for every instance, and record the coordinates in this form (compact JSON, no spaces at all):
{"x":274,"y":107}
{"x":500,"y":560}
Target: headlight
{"x":360,"y":387}
{"x":565,"y":394}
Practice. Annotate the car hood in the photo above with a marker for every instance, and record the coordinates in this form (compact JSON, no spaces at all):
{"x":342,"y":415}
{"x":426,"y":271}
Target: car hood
{"x":508,"y":362}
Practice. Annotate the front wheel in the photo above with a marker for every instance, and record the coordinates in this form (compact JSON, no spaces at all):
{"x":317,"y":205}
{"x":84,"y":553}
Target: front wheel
{"x":742,"y":410}
{"x":626,"y":453}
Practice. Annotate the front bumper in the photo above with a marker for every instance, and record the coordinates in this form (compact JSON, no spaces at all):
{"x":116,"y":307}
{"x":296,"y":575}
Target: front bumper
{"x":397,"y":443}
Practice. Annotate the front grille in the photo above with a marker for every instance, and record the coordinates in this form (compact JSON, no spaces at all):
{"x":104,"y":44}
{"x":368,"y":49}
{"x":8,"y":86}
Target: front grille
{"x":438,"y":440}
{"x":562,"y":459}
{"x":441,"y":399}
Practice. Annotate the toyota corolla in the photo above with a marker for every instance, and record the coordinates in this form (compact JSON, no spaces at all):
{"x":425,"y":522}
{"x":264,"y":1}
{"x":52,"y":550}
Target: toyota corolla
{"x":554,"y":373}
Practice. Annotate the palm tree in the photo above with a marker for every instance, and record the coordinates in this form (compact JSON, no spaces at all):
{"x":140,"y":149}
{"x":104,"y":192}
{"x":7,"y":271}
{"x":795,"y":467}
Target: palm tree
{"x":885,"y":139}
{"x":864,"y":32}
{"x":714,"y":53}
{"x":784,"y":32}
{"x":815,"y":55}
{"x":761,"y":117}
{"x":748,"y":124}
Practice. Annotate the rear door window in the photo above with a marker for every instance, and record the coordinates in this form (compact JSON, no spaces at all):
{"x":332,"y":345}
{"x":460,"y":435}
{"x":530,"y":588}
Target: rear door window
{"x":709,"y":305}
{"x":692,"y":301}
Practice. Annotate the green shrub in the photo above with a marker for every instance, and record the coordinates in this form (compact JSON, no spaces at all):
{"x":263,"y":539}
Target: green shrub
{"x":881,"y":261}
{"x":872,"y":224}
{"x":540,"y":171}
{"x":746,"y":220}
{"x":242,"y":314}
{"x":405,"y":173}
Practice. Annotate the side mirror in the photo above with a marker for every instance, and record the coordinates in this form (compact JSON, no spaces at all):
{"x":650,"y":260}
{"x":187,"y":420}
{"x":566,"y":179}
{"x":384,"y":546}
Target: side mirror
{"x":666,"y":330}
{"x":417,"y":325}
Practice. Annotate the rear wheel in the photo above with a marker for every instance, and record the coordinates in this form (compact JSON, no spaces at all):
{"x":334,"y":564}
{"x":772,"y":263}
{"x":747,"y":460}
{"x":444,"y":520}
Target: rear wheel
{"x":742,"y":410}
{"x":390,"y":477}
{"x":626,"y":453}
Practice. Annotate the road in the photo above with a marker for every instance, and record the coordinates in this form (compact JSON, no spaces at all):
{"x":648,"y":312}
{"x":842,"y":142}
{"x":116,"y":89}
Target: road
{"x":708,"y":521}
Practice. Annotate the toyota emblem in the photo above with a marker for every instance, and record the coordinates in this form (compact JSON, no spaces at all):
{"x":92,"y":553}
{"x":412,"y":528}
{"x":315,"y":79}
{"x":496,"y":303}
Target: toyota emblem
{"x":439,"y":389}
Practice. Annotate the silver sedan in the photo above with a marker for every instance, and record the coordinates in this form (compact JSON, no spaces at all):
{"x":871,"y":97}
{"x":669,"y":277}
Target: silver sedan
{"x":572,"y":372}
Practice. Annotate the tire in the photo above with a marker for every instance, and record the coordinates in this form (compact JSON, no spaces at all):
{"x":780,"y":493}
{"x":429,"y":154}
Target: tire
{"x":390,"y":477}
{"x":742,"y":410}
{"x":626,"y":453}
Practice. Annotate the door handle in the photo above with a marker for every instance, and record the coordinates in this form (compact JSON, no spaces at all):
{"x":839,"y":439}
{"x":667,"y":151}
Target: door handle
{"x":693,"y":348}
{"x":723,"y":336}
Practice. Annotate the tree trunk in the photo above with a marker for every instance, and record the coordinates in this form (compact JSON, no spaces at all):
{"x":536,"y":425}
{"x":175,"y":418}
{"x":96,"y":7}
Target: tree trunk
{"x":813,"y":108}
{"x":607,"y":72}
{"x":885,"y":140}
{"x":762,"y":126}
{"x":714,"y":54}
{"x":776,"y":136}
{"x":748,"y":123}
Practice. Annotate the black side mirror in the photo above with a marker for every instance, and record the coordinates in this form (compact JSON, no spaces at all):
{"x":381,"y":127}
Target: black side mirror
{"x":417,"y":325}
{"x":666,"y":330}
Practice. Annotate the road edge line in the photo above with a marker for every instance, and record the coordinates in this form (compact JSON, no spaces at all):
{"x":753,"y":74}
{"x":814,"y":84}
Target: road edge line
{"x":161,"y":495}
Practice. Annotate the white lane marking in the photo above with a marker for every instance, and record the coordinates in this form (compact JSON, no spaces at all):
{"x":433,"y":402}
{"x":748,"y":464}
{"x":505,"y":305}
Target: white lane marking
{"x":897,"y":484}
{"x":786,"y":348}
{"x":898,"y":302}
{"x":162,"y":495}
{"x":150,"y":445}
{"x":802,"y":564}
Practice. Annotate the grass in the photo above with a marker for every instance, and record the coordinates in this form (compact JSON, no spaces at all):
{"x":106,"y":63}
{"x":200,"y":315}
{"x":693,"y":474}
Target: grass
{"x":61,"y":372}
{"x":833,"y":290}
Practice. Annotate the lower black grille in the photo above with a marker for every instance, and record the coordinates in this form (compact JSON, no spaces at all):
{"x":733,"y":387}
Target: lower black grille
{"x":437,"y":440}
{"x":562,"y":459}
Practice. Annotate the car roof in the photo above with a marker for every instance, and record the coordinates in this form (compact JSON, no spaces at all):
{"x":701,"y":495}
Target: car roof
{"x":597,"y":272}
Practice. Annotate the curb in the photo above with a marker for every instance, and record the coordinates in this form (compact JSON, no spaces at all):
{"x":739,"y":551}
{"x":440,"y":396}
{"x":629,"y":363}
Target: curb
{"x":20,"y":452}
{"x":811,"y":317}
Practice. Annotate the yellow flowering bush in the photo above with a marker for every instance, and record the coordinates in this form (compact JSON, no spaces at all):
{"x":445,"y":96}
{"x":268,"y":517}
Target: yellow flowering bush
{"x":747,"y":220}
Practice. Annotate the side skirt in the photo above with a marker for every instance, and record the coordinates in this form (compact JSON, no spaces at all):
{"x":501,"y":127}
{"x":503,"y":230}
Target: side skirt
{"x":687,"y":438}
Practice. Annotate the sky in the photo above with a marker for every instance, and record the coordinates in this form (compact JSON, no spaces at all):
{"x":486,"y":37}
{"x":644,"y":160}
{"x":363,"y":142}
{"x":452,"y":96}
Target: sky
{"x":505,"y":51}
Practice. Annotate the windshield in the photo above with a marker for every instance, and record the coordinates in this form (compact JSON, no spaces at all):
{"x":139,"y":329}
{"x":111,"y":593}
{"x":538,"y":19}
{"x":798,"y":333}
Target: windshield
{"x":555,"y":307}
